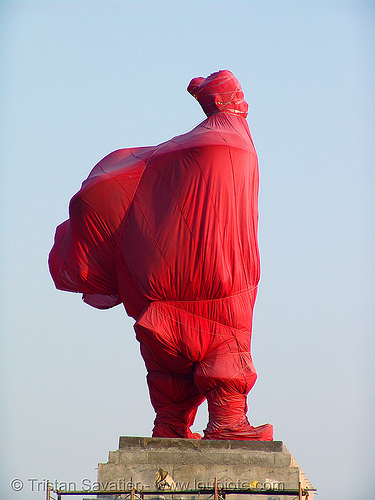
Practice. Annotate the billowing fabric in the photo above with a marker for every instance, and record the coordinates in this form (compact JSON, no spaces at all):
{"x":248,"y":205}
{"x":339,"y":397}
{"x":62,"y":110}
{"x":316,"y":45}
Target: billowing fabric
{"x":170,"y":231}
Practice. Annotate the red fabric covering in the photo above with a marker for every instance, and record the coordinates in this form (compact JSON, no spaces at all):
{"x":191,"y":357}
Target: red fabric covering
{"x":171,"y":232}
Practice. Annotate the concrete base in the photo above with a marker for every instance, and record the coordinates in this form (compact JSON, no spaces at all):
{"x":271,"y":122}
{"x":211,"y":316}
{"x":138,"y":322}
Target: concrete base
{"x":194,"y":464}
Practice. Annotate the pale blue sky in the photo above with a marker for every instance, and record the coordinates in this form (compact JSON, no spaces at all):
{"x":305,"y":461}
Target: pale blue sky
{"x":80,"y":79}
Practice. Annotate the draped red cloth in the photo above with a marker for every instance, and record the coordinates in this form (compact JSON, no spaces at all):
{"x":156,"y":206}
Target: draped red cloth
{"x":170,"y":231}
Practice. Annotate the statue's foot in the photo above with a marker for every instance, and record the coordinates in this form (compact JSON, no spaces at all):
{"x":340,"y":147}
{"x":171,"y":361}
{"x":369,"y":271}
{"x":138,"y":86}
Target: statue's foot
{"x":173,"y":428}
{"x":196,"y":435}
{"x":166,"y":431}
{"x":249,"y":433}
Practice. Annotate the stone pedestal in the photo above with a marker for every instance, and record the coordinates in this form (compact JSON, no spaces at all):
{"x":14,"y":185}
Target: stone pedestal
{"x":194,"y":464}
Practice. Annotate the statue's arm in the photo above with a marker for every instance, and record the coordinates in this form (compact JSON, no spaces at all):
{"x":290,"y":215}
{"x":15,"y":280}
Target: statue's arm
{"x":83,"y":256}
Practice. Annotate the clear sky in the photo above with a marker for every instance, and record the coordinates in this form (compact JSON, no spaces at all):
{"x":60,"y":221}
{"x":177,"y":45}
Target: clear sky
{"x":82,"y":78}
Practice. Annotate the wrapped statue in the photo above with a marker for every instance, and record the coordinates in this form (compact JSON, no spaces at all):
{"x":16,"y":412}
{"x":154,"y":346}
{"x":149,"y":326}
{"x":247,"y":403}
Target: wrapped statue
{"x":170,"y":231}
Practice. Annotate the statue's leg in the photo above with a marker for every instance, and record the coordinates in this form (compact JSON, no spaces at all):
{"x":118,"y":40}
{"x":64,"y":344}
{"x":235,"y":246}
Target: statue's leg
{"x":225,"y":376}
{"x":173,"y":393}
{"x":175,"y":399}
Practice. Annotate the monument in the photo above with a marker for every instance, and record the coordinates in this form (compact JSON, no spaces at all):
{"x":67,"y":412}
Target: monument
{"x":170,"y":231}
